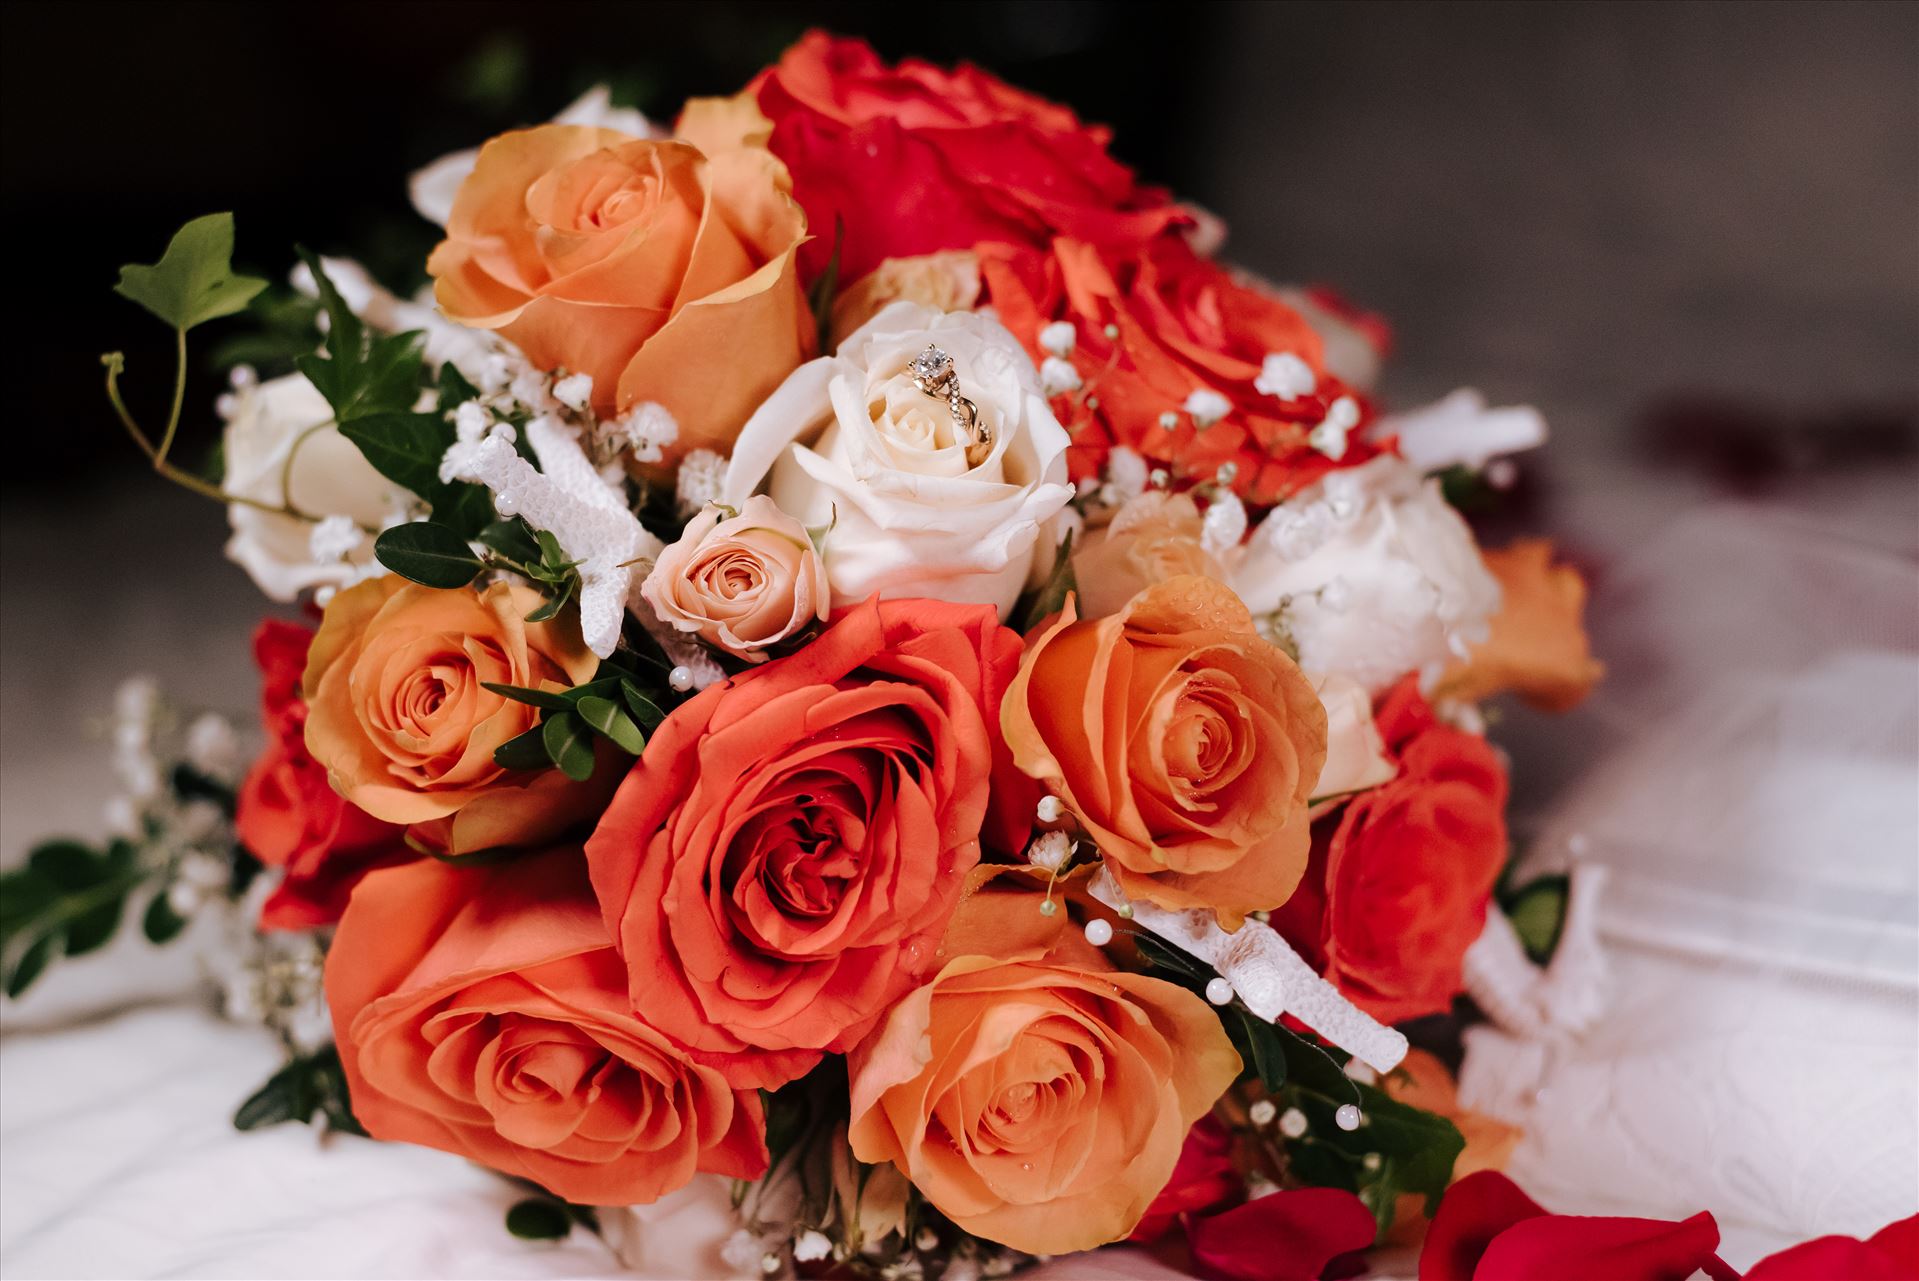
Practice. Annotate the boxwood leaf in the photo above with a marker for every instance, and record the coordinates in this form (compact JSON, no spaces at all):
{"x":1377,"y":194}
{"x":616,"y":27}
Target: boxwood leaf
{"x":161,"y":923}
{"x":606,"y":716}
{"x":537,"y":1219}
{"x":569,"y":744}
{"x":545,"y":699}
{"x":429,"y":554}
{"x":193,"y":282}
{"x":523,"y":751}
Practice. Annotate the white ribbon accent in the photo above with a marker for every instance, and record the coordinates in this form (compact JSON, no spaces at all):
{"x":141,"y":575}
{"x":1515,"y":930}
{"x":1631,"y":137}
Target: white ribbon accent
{"x":1560,"y":1001}
{"x":1266,"y":974}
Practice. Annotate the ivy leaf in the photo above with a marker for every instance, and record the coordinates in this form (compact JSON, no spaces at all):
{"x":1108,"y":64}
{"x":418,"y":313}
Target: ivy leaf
{"x":604,"y":715}
{"x":1051,"y":598}
{"x":1263,"y":1051}
{"x":428,"y":554}
{"x":193,"y":282}
{"x":523,"y":751}
{"x":568,"y":745}
{"x":406,"y":448}
{"x":361,"y":374}
{"x":1311,"y":1067}
{"x":538,"y":1219}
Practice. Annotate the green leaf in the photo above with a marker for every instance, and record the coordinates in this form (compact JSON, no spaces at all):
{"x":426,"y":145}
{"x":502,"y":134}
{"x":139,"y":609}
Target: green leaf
{"x":1263,"y":1051}
{"x":429,"y":554}
{"x":1310,"y":1067}
{"x":604,"y":715}
{"x":826,"y":288}
{"x":361,"y":374}
{"x":1165,"y":956}
{"x":538,"y":1219}
{"x":523,"y":751}
{"x":161,"y":923}
{"x":513,"y":539}
{"x":568,"y":745}
{"x":309,"y":1083}
{"x":406,"y":448}
{"x":453,"y":389}
{"x":93,"y":929}
{"x":645,"y":710}
{"x":551,"y":610}
{"x":1537,"y":911}
{"x":193,"y":282}
{"x":545,"y":699}
{"x":31,"y":963}
{"x":1051,"y":598}
{"x":67,"y":865}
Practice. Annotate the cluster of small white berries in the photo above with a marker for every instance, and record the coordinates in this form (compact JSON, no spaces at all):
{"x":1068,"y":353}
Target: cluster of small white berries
{"x":699,"y":481}
{"x":276,"y":980}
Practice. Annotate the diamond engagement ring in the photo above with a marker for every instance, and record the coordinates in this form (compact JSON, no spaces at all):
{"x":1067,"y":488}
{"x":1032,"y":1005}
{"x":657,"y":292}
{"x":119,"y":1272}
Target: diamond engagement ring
{"x":933,"y":373}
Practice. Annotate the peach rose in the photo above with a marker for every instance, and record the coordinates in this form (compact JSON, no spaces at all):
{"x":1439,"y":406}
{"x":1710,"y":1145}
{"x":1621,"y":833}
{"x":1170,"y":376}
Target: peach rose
{"x":1186,"y":745}
{"x":481,"y":1011}
{"x":1537,"y":646}
{"x":1153,"y":537}
{"x":945,"y":281}
{"x":741,"y":583}
{"x":663,"y":268}
{"x":1422,"y":1081}
{"x":397,"y":715}
{"x":1038,"y":1098}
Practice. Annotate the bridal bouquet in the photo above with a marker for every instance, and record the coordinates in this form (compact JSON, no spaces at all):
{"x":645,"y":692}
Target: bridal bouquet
{"x":858,"y":684}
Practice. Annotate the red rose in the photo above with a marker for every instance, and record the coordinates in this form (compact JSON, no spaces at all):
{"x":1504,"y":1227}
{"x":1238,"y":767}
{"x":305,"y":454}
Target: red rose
{"x":1294,"y":1235}
{"x":914,"y":159}
{"x":481,"y":1011}
{"x":1181,"y":324}
{"x":1397,"y":887}
{"x":778,"y":867}
{"x":288,"y":816}
{"x":1488,"y":1230}
{"x":1204,"y":1179}
{"x":1890,"y":1254}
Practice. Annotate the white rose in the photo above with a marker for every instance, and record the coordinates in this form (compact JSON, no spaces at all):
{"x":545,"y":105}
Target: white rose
{"x":1370,"y":573}
{"x":281,"y":434}
{"x":849,"y":441}
{"x":1355,"y":753}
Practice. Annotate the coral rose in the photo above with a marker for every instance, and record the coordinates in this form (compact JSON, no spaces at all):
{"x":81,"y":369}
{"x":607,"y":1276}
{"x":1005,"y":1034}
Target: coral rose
{"x":481,"y":1011}
{"x":1186,"y":746}
{"x":742,"y":582}
{"x":1040,"y":1100}
{"x":1537,"y":646}
{"x":288,"y":816}
{"x":778,"y":866}
{"x":401,"y":722}
{"x":1399,"y":880}
{"x":1242,"y":374}
{"x":913,"y":159}
{"x":664,"y":269}
{"x":1151,"y":538}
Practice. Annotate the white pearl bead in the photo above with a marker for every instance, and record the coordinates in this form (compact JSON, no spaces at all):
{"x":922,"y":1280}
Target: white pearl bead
{"x":1099,"y":933}
{"x":1347,"y":1118}
{"x":1292,"y":1123}
{"x":1219,"y":991}
{"x":680,"y":678}
{"x":1050,"y":809}
{"x":1263,"y":1112}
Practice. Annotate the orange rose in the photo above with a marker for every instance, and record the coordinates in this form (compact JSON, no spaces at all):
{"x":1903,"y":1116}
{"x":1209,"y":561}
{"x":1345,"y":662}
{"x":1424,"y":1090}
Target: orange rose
{"x":1186,"y":746}
{"x":480,"y":1011}
{"x":1038,"y":1098}
{"x":777,"y":868}
{"x":397,"y":716}
{"x":1538,"y":644}
{"x":665,"y":269}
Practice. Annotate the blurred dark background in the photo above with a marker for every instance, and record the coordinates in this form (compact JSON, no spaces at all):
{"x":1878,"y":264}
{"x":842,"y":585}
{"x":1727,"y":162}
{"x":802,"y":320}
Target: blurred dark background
{"x":1688,"y":232}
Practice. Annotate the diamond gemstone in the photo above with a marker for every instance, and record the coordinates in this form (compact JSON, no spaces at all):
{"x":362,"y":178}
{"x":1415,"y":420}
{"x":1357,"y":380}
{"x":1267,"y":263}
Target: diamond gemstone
{"x":932,"y":364}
